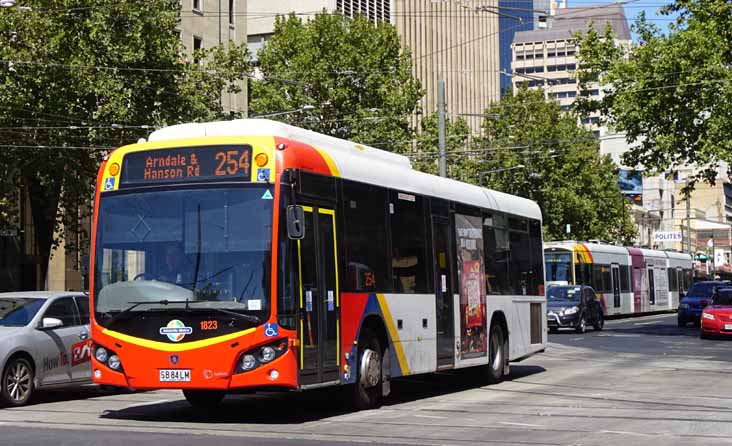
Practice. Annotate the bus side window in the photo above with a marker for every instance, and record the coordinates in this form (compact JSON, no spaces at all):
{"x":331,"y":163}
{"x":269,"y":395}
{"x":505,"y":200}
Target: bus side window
{"x":367,"y":257}
{"x":495,"y":250}
{"x":408,"y":239}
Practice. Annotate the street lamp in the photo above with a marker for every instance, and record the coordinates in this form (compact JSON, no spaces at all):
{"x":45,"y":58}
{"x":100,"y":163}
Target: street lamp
{"x":7,"y":3}
{"x":304,"y":108}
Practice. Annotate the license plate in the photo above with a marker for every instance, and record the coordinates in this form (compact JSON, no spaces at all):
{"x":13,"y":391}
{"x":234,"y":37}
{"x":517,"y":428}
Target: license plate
{"x":728,"y":326}
{"x":175,"y":375}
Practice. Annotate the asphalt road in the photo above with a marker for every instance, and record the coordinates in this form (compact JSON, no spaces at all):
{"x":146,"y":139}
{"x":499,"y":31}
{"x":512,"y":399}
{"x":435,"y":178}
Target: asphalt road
{"x":638,"y":382}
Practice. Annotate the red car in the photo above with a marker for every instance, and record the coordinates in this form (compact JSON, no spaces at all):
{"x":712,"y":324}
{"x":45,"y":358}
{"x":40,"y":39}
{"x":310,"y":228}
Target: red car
{"x":716,"y":319}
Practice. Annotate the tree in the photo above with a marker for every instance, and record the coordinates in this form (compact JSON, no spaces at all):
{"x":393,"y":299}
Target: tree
{"x":80,"y":76}
{"x":353,"y":72}
{"x":671,"y":93}
{"x":533,"y":149}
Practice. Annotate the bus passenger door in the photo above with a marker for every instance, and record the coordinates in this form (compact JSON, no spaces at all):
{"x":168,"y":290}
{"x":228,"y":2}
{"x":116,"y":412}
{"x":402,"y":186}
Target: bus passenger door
{"x":443,"y":291}
{"x":319,"y":317}
{"x":616,"y":285}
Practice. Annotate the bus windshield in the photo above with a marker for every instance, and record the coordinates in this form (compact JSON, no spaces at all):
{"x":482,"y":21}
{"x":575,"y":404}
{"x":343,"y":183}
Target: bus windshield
{"x":210,"y":246}
{"x":558,"y":266}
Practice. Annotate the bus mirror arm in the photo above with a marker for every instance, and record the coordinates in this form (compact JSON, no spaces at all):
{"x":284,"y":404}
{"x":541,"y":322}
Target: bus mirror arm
{"x":295,"y":222}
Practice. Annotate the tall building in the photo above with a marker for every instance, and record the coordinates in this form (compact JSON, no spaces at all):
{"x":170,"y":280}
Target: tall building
{"x":454,"y":41}
{"x":515,"y":16}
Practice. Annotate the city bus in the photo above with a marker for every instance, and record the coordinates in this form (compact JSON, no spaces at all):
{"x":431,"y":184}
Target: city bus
{"x":627,"y":280}
{"x":251,"y":254}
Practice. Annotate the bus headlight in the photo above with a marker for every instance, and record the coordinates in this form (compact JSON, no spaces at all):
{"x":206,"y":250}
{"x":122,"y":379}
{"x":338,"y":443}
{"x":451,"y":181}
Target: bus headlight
{"x":101,"y":354}
{"x":266,"y":354}
{"x":114,"y":363}
{"x":248,"y":362}
{"x":256,"y":357}
{"x":708,"y":316}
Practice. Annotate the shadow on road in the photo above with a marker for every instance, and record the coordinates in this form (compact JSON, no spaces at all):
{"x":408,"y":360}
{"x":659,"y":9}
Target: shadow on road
{"x":273,"y":408}
{"x":45,"y":396}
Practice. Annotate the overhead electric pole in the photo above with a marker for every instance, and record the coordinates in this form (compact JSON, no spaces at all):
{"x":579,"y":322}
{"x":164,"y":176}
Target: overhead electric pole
{"x":441,"y":126}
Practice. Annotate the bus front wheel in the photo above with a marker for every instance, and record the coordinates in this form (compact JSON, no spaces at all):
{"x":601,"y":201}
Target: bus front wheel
{"x":367,"y":391}
{"x":204,"y":399}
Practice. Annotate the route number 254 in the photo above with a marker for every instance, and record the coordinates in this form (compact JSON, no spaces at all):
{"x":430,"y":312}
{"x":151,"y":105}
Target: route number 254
{"x":232,"y":161}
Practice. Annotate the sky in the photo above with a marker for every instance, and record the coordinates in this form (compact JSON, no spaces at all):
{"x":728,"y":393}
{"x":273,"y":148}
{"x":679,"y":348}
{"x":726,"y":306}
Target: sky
{"x":633,"y":8}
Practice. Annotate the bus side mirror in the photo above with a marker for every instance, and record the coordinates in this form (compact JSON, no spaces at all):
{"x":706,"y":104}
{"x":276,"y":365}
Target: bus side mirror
{"x":295,"y":222}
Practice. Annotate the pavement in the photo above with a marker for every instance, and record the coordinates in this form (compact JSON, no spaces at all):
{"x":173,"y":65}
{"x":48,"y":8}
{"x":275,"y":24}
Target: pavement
{"x":641,"y":381}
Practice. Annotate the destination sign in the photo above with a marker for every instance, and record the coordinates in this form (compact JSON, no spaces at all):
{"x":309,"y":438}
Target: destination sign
{"x":187,"y":164}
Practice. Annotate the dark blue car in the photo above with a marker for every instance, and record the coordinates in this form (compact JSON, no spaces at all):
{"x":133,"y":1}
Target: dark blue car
{"x":699,"y":296}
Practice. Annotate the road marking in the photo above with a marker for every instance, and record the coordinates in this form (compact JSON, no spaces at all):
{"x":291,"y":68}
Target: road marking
{"x":577,"y":339}
{"x":431,"y":416}
{"x":647,"y":323}
{"x":508,"y":423}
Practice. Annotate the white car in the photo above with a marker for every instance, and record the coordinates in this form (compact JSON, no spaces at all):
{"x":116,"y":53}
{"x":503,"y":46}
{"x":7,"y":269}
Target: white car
{"x":44,"y":343}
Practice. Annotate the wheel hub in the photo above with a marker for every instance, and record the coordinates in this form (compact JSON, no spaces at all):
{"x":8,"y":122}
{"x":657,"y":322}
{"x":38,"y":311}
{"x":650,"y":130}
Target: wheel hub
{"x":18,"y":382}
{"x":370,"y":368}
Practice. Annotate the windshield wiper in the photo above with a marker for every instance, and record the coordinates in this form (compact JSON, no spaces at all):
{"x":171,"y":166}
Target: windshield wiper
{"x":137,"y":304}
{"x":246,"y":317}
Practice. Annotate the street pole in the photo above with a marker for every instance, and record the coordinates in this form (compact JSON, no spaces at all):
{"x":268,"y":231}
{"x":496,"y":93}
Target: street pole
{"x":441,"y":126}
{"x":688,"y":218}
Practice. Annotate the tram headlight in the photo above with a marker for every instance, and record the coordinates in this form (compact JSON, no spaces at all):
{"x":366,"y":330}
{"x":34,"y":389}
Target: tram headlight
{"x":114,"y":362}
{"x":248,"y":362}
{"x":101,"y":354}
{"x":266,"y":354}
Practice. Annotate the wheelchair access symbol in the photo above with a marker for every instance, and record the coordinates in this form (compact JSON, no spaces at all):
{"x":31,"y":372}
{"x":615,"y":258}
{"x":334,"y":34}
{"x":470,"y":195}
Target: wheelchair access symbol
{"x":271,"y":330}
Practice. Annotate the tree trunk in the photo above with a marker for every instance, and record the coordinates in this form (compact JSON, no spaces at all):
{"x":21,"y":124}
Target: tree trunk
{"x":44,"y":208}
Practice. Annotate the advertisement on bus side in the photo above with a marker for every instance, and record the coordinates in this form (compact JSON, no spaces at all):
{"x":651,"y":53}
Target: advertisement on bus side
{"x":471,"y":269}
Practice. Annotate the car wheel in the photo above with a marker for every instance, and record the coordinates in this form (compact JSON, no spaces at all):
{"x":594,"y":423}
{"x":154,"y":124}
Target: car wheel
{"x":553,"y":330}
{"x":697,"y":322}
{"x":204,"y":399}
{"x":17,"y":382}
{"x":681,"y":322}
{"x":581,"y":325}
{"x":367,"y":390}
{"x":703,"y":335}
{"x":600,"y":322}
{"x":497,"y":354}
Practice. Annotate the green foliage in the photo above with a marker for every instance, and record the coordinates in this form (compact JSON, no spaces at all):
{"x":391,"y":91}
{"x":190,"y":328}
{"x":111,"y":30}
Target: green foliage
{"x":457,"y":136}
{"x":563,"y":170}
{"x":672,"y":93}
{"x":77,"y":76}
{"x":355,"y":73}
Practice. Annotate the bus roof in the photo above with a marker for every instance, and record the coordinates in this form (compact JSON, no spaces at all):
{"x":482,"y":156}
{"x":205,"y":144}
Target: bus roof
{"x":360,"y":163}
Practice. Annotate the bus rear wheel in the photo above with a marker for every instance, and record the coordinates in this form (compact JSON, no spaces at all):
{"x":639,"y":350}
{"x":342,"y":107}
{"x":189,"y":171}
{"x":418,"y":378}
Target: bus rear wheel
{"x":496,"y":354}
{"x":204,"y":399}
{"x":367,"y":391}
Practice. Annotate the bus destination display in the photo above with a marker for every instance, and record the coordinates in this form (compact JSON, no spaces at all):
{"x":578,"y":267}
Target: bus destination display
{"x":187,"y":164}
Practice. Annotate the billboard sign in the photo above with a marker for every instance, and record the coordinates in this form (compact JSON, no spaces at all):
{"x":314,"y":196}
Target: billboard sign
{"x":630,"y":183}
{"x":667,"y":236}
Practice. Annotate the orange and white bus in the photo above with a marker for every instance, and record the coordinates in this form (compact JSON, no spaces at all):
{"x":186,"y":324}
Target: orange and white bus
{"x":252,"y":254}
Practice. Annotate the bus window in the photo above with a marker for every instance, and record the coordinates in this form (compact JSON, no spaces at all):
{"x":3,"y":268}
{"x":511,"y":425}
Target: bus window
{"x":495,"y":242}
{"x":408,"y":243}
{"x":364,"y":210}
{"x":520,"y":269}
{"x":537,"y":259}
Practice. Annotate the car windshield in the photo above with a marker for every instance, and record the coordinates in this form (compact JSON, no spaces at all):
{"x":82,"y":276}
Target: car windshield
{"x":18,"y":311}
{"x":207,"y":245}
{"x":564,"y":293}
{"x":558,"y":266}
{"x":703,"y":289}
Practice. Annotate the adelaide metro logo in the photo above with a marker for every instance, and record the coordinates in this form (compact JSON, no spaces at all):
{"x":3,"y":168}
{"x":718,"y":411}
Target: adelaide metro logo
{"x":175,"y":330}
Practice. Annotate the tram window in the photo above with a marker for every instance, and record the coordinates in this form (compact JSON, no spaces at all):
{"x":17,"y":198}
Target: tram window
{"x":601,"y":278}
{"x":673,"y":283}
{"x":537,"y":259}
{"x":364,"y":210}
{"x":408,"y":243}
{"x":496,"y":254}
{"x":520,"y":268}
{"x":624,"y":279}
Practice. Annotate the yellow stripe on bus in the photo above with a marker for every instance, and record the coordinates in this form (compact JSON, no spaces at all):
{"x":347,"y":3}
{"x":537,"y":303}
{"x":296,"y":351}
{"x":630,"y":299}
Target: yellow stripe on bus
{"x":394,"y":335}
{"x":164,"y":346}
{"x":329,"y":161}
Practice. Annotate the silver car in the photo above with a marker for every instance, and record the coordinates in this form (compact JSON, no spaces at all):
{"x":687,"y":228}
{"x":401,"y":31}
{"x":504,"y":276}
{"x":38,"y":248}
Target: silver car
{"x":44,"y":343}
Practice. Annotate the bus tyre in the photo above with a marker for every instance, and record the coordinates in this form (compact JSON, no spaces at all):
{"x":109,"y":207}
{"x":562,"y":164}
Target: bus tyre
{"x":496,"y":354}
{"x":600,"y":322}
{"x":204,"y":399}
{"x":367,"y":391}
{"x":17,"y":382}
{"x":581,"y":325}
